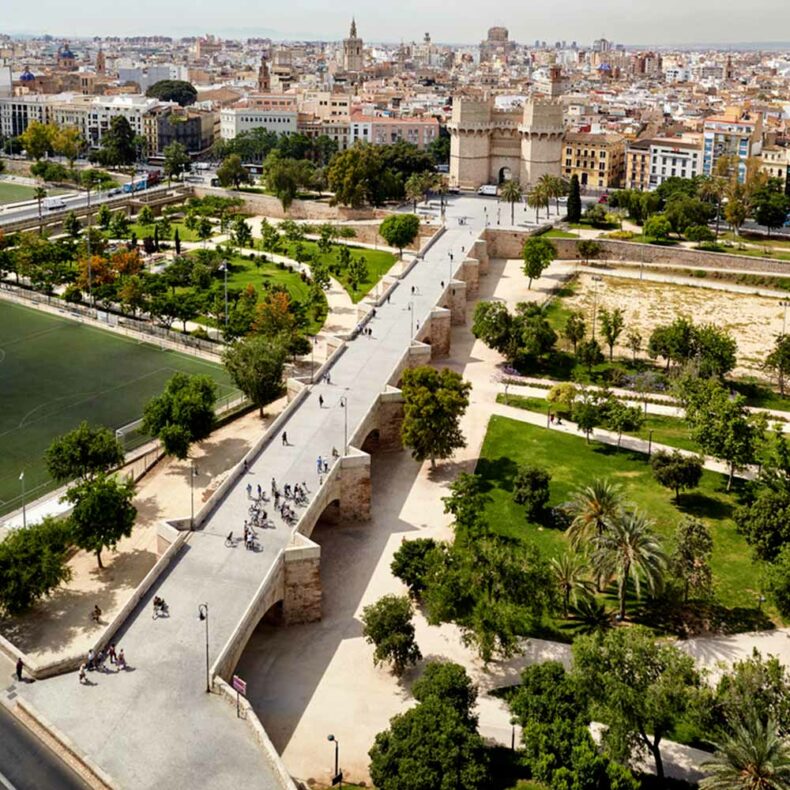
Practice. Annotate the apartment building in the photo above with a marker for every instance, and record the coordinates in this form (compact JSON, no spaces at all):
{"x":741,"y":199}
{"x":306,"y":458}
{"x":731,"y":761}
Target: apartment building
{"x":326,"y":106}
{"x":775,"y":163}
{"x":276,"y":113}
{"x":385,"y":130}
{"x":733,"y":134}
{"x":674,"y":157}
{"x":311,"y":126}
{"x":637,"y":165}
{"x":597,"y":158}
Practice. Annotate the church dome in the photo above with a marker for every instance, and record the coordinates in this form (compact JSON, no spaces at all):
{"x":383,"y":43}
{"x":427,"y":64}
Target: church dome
{"x":27,"y":75}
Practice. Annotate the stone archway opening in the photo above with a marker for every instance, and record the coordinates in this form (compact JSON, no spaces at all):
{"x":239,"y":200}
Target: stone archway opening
{"x":505,"y":174}
{"x":372,"y":443}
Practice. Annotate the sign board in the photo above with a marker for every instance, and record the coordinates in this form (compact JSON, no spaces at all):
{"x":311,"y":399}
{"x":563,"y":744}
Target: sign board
{"x":239,"y":685}
{"x":336,"y":780}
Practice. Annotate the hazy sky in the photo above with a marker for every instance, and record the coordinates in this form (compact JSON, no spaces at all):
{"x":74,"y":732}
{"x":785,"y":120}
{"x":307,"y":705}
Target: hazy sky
{"x":628,"y":21}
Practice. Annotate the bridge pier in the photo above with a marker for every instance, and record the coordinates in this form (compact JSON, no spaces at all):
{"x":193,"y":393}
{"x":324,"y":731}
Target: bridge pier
{"x":390,"y":421}
{"x":302,"y":582}
{"x":479,"y":250}
{"x":439,"y":332}
{"x":354,"y":480}
{"x":470,"y":274}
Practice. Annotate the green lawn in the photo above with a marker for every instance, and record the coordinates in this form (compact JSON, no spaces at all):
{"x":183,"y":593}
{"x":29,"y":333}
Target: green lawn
{"x":16,"y":193}
{"x":379,"y":263}
{"x":554,"y":233}
{"x":244,"y":272}
{"x":671,"y":431}
{"x":573,"y":463}
{"x":184,"y":233}
{"x":56,"y":372}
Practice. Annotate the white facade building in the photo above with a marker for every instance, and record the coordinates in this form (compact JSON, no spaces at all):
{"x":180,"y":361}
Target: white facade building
{"x":674,"y":157}
{"x":244,"y":118}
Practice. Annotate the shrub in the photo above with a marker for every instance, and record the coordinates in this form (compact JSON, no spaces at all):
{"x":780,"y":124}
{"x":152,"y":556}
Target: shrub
{"x":411,"y":563}
{"x":531,"y":489}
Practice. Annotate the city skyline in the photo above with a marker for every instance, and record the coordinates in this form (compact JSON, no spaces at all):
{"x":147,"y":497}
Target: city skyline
{"x":673,"y":22}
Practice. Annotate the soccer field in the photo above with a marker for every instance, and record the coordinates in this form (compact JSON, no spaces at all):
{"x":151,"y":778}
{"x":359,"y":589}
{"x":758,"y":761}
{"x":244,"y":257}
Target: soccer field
{"x":16,"y":193}
{"x":55,"y":372}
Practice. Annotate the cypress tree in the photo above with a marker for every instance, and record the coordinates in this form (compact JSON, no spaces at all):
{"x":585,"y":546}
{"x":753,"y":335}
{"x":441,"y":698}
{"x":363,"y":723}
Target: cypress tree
{"x":574,"y":201}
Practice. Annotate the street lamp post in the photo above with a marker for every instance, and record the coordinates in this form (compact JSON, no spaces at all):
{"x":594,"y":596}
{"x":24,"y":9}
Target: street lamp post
{"x":411,"y":321}
{"x":596,"y":279}
{"x":650,"y":443}
{"x":344,"y":404}
{"x":193,"y":472}
{"x":337,"y":777}
{"x":784,"y":303}
{"x":203,"y":615}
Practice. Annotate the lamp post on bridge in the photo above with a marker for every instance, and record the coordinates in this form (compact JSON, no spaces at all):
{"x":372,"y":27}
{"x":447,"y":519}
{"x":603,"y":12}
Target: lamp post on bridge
{"x":344,"y":403}
{"x":337,"y":777}
{"x":203,"y":615}
{"x":193,"y":473}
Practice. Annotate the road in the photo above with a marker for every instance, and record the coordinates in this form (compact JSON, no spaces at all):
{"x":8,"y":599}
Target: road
{"x":11,"y":215}
{"x":26,"y":764}
{"x":160,"y":712}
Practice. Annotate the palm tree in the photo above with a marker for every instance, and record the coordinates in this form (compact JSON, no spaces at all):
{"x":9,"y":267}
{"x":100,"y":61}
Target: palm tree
{"x":593,"y":509}
{"x":753,"y":757}
{"x":414,"y":189}
{"x":538,"y":199}
{"x":571,"y":573}
{"x":629,"y":549}
{"x":553,"y":186}
{"x":511,"y":192}
{"x":39,"y":193}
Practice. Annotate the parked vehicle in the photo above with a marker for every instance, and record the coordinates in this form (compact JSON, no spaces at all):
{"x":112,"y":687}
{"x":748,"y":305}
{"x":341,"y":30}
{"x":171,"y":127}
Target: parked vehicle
{"x":488,"y":190}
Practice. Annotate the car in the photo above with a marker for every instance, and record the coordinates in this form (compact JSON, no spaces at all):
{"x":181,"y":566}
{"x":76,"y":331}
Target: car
{"x":454,"y":190}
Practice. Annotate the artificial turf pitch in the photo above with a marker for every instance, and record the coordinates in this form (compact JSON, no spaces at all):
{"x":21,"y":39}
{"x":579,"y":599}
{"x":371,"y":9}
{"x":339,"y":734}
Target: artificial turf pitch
{"x":56,"y":372}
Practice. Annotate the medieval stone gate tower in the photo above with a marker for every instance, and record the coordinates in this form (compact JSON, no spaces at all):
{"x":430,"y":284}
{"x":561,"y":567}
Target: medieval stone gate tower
{"x":488,"y":145}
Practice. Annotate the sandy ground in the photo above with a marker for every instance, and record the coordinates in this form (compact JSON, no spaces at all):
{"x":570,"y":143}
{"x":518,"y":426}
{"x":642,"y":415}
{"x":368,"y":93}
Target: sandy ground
{"x":61,"y":625}
{"x":753,"y":320}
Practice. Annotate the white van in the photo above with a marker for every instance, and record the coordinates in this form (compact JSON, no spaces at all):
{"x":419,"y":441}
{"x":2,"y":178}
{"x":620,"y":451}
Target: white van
{"x":53,"y":203}
{"x":489,"y":190}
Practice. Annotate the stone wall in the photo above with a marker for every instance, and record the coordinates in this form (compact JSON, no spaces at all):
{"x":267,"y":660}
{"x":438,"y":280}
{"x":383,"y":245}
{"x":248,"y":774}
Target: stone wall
{"x":355,"y":487}
{"x":508,"y":244}
{"x":390,"y":421}
{"x":438,"y":333}
{"x":302,"y":598}
{"x":455,"y":301}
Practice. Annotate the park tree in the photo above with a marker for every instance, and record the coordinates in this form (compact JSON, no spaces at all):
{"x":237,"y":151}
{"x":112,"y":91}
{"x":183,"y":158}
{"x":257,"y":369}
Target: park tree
{"x":531,"y":489}
{"x":104,"y":216}
{"x":119,"y":224}
{"x":72,"y":225}
{"x":714,"y":350}
{"x":432,"y":745}
{"x":204,"y":229}
{"x":400,"y":230}
{"x":674,"y":342}
{"x":770,"y":209}
{"x":37,"y":139}
{"x":494,"y":325}
{"x":177,"y":160}
{"x":700,"y":234}
{"x":765,"y":522}
{"x":589,"y":354}
{"x":640,"y":686}
{"x":182,"y":414}
{"x":83,"y":453}
{"x":146,"y":216}
{"x":689,"y":560}
{"x":242,"y":234}
{"x":633,"y":340}
{"x":448,"y":683}
{"x":537,"y":253}
{"x":588,"y":249}
{"x":658,"y":227}
{"x":562,"y":396}
{"x":779,"y":586}
{"x":676,"y":471}
{"x":68,"y":142}
{"x":533,"y":334}
{"x":612,"y":322}
{"x":574,"y":200}
{"x":232,"y":172}
{"x":33,"y":563}
{"x":256,"y":364}
{"x":511,"y":193}
{"x":179,"y":91}
{"x":386,"y":624}
{"x":752,"y":755}
{"x":411,"y":563}
{"x":102,"y":513}
{"x":571,"y":572}
{"x":434,"y":402}
{"x":575,"y":329}
{"x":724,"y":428}
{"x":778,"y":360}
{"x":620,"y":418}
{"x":736,"y":213}
{"x":629,"y":551}
{"x":118,"y":144}
{"x":357,"y":271}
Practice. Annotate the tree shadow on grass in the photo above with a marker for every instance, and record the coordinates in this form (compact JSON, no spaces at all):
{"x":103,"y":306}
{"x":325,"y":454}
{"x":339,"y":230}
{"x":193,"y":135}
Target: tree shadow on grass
{"x":505,"y":769}
{"x":498,"y":472}
{"x":702,"y":506}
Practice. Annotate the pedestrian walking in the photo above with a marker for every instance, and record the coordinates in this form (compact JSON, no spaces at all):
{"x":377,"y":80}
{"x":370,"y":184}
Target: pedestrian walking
{"x":246,"y":466}
{"x":91,"y":658}
{"x":249,"y":490}
{"x":285,"y":439}
{"x":121,"y":662}
{"x":320,"y":401}
{"x":319,"y":463}
{"x":19,"y":667}
{"x":412,"y":290}
{"x":442,"y":283}
{"x":326,"y":466}
{"x":83,"y":677}
{"x":274,"y":486}
{"x":389,"y":296}
{"x":328,"y":379}
{"x":260,"y":491}
{"x":111,"y":653}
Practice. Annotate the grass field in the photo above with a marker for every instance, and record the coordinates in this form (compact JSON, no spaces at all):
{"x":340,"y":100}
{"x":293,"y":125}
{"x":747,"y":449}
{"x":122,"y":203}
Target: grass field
{"x":16,"y":193}
{"x":141,"y":231}
{"x":55,"y":372}
{"x":573,"y":463}
{"x":379,"y":263}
